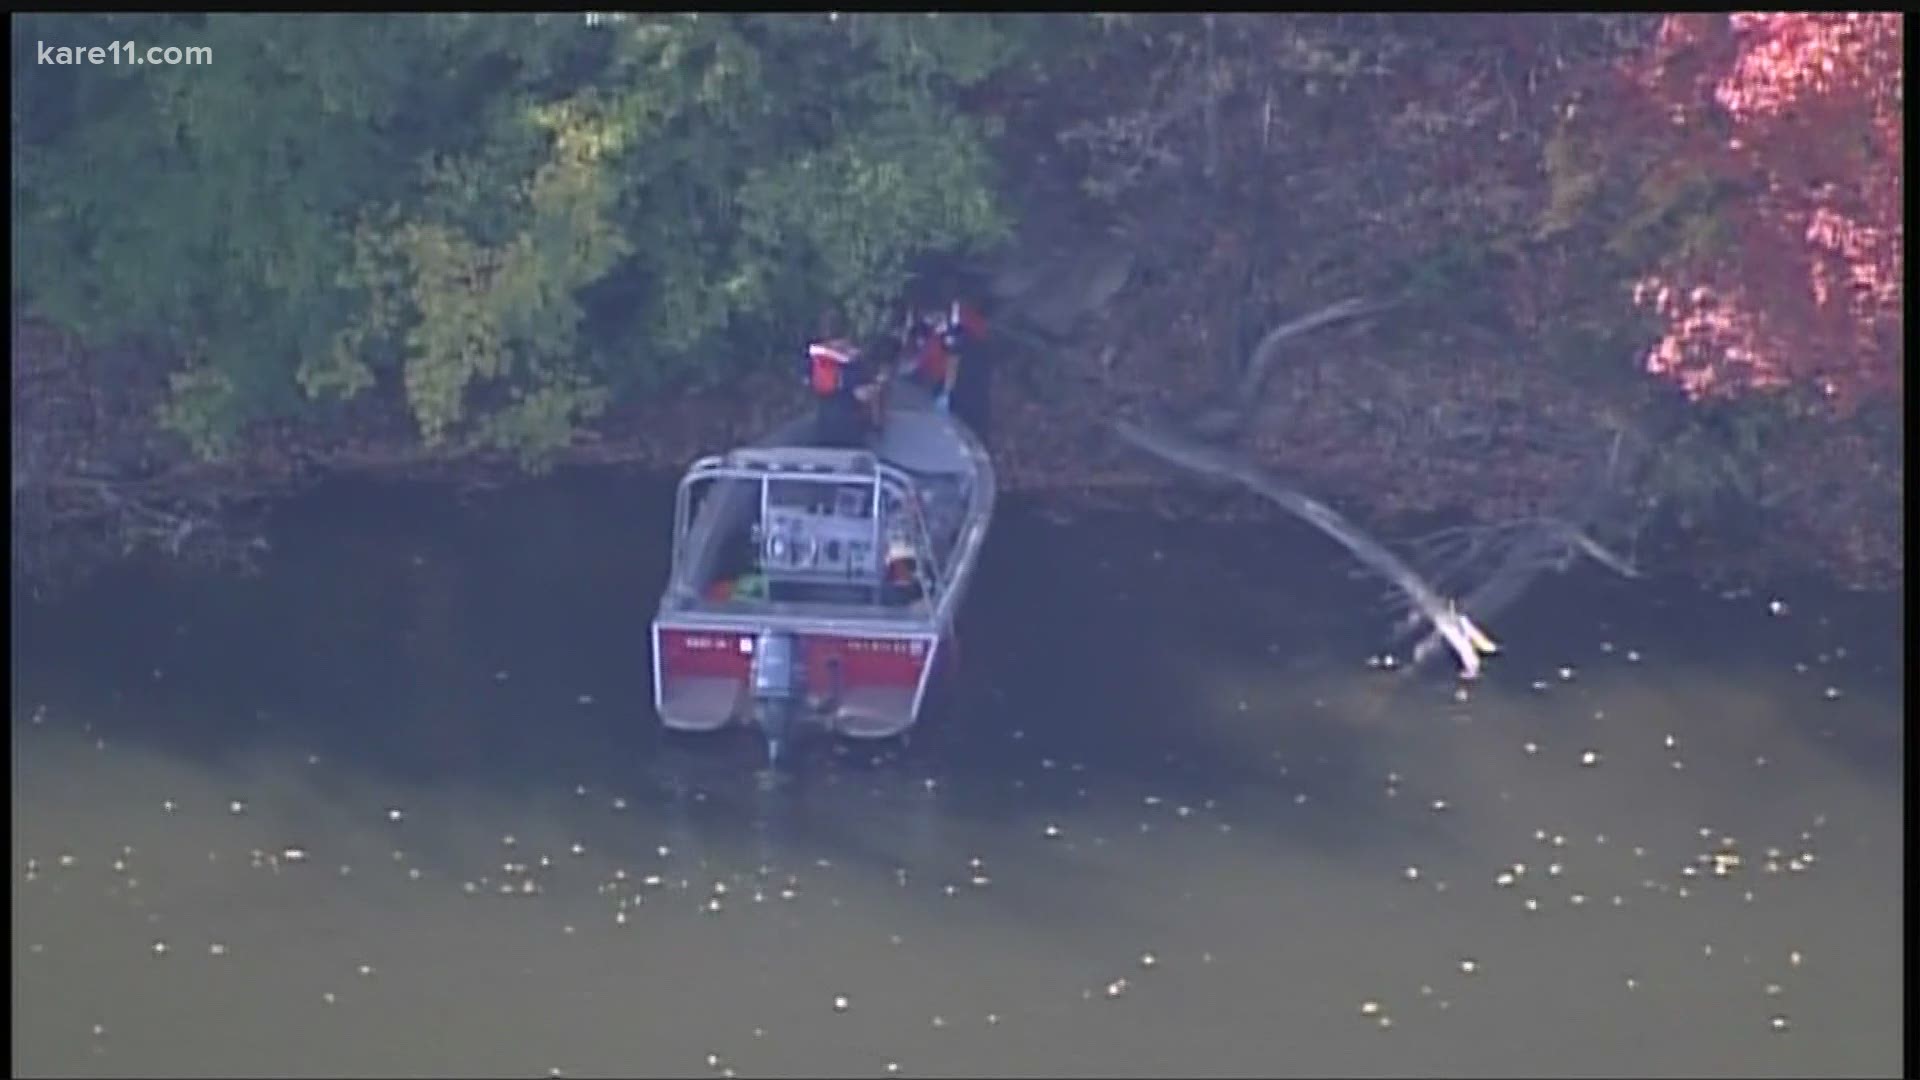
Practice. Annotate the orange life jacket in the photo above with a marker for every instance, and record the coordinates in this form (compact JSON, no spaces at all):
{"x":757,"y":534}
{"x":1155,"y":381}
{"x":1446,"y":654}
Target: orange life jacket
{"x":961,"y":325}
{"x":827,"y":364}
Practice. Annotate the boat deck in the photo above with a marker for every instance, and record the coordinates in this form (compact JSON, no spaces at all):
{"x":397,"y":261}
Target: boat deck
{"x":919,"y":440}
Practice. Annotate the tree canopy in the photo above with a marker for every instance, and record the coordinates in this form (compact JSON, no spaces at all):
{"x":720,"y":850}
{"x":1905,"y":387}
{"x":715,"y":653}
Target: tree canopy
{"x":508,"y":217}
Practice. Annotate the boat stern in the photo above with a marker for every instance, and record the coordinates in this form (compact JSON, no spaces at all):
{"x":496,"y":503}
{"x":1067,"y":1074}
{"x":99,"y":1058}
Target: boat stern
{"x":861,"y":685}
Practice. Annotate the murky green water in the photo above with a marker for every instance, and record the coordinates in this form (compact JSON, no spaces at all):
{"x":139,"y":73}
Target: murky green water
{"x":399,"y":807}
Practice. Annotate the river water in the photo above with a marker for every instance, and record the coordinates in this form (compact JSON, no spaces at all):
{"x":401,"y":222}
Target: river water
{"x":398,"y":806}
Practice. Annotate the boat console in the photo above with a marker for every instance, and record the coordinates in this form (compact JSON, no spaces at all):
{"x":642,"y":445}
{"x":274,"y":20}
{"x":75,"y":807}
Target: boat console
{"x":814,"y":532}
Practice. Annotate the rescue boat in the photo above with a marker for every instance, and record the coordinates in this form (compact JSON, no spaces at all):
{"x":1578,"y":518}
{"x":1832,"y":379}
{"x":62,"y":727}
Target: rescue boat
{"x":815,"y":588}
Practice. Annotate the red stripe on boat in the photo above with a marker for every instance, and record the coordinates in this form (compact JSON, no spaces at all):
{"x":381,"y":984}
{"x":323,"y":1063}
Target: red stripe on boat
{"x":865,"y":661}
{"x":705,"y":653}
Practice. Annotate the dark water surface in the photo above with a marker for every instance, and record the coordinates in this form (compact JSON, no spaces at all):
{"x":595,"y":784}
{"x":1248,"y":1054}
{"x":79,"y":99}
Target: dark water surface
{"x":399,"y":806}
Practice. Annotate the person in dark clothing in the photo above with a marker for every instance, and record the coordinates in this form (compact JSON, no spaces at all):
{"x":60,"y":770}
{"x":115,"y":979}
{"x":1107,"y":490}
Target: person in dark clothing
{"x":972,"y":394}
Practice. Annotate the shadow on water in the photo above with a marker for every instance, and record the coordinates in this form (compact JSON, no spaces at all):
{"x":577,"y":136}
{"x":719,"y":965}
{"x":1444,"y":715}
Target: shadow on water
{"x":502,"y":642}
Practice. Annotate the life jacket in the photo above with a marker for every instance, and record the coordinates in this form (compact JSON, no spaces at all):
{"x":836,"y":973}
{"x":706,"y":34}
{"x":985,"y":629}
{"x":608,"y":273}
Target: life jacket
{"x":827,"y":363}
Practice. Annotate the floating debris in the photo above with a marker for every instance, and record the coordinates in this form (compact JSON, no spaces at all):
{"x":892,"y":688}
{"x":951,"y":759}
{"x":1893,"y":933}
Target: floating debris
{"x":841,"y":1004}
{"x":237,"y":806}
{"x":216,"y":949}
{"x":1778,"y":1023}
{"x":1566,"y":674}
{"x":1369,"y":1008}
{"x":293,"y":854}
{"x":1439,"y":805}
{"x":160,"y":948}
{"x":1051,"y":832}
{"x":1469,"y":966}
{"x":1590,"y":758}
{"x":1412,"y":873}
{"x":1116,"y":988}
{"x":1776,"y":607}
{"x":1504,"y":880}
{"x":1530,"y":747}
{"x":396,"y":815}
{"x":167,"y":805}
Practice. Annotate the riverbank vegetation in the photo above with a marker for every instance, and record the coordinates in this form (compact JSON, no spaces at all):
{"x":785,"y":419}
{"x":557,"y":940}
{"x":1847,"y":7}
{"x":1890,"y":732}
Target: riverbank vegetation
{"x":452,"y":240}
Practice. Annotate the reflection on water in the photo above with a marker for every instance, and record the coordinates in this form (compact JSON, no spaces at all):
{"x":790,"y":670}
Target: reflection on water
{"x":398,"y":807}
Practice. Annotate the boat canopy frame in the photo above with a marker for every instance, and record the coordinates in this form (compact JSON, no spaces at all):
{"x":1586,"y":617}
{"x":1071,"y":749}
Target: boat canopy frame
{"x":893,"y":500}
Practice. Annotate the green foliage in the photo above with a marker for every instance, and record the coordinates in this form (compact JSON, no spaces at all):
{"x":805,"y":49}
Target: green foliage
{"x":202,"y":409}
{"x":541,"y":421}
{"x":502,"y":218}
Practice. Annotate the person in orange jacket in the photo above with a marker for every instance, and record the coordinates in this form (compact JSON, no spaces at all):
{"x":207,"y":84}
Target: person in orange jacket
{"x":846,"y":390}
{"x":937,"y":342}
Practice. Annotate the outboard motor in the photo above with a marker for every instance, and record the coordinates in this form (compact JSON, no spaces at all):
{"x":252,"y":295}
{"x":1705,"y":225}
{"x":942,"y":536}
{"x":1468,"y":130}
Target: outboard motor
{"x":779,"y":689}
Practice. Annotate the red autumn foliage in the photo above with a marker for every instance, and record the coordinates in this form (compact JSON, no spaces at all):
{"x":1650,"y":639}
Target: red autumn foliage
{"x":1803,"y":112}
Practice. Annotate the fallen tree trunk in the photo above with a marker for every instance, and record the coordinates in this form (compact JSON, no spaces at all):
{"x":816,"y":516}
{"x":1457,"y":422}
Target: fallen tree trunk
{"x":1448,"y":621}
